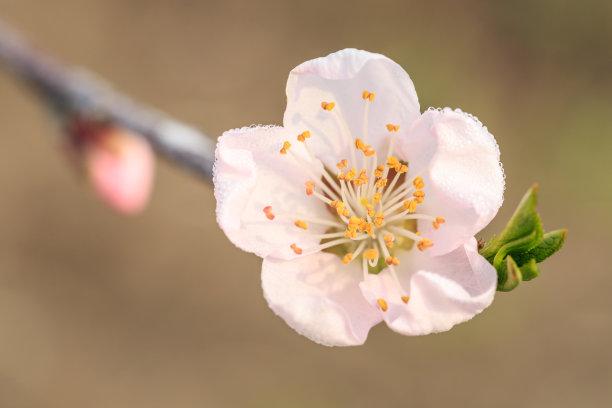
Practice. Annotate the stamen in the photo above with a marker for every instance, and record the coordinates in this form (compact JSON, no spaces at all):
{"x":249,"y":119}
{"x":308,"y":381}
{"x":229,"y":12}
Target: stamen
{"x":303,"y":136}
{"x":381,"y":183}
{"x":392,"y":128}
{"x":376,"y":198}
{"x":410,"y":205}
{"x":286,"y":146}
{"x":308,"y":170}
{"x":326,"y":245}
{"x":391,"y":260}
{"x":352,"y":255}
{"x":368,"y":96}
{"x":350,"y":175}
{"x":418,"y":183}
{"x":393,"y":163}
{"x":310,"y":186}
{"x":383,"y":304}
{"x":439,"y":221}
{"x":296,"y":249}
{"x":405,"y":299}
{"x":359,"y":144}
{"x":424,"y":244}
{"x":301,"y":224}
{"x":389,"y":240}
{"x":419,"y":196}
{"x":342,"y":164}
{"x":371,"y":254}
{"x":268,"y":211}
{"x":328,"y":106}
{"x":378,"y":219}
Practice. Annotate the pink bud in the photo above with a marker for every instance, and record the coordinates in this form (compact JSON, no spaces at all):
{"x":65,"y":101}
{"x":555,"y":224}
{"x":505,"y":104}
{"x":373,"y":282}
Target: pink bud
{"x":120,"y":168}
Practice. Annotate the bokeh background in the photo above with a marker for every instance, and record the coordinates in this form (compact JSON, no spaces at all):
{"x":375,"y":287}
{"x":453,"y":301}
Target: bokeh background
{"x":162,"y":311}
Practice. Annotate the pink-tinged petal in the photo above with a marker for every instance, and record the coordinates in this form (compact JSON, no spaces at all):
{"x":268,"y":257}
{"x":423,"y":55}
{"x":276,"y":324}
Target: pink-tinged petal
{"x":120,"y":167}
{"x":249,"y":175}
{"x":341,"y":78}
{"x":319,"y":297}
{"x":444,"y":290}
{"x":464,"y":179}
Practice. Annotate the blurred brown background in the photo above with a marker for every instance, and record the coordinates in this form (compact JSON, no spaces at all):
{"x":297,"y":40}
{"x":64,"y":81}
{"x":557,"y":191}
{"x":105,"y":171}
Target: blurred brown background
{"x":162,"y":311}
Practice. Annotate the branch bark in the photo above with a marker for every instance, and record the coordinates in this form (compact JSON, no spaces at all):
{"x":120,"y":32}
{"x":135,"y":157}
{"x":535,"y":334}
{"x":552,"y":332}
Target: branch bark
{"x":79,"y":93}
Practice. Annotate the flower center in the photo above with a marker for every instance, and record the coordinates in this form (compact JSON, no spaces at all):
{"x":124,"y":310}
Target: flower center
{"x":374,"y":203}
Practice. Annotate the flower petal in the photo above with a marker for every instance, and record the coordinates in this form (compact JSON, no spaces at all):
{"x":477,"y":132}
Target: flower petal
{"x":464,"y":180}
{"x":444,"y":291}
{"x":319,"y":298}
{"x":249,"y":175}
{"x":341,"y":78}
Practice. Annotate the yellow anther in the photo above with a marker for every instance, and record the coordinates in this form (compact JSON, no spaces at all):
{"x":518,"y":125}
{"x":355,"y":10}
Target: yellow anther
{"x":354,"y":220}
{"x":419,"y":196}
{"x":359,"y":144}
{"x":410,"y":205}
{"x":405,"y":299}
{"x":376,"y":198}
{"x":393,"y":162}
{"x":350,"y":175}
{"x":368,"y":96}
{"x":286,"y":146}
{"x":296,"y":249}
{"x":370,"y":209}
{"x":383,"y":304}
{"x":378,"y":219}
{"x":418,"y":183}
{"x":350,"y":233}
{"x":371,"y":254}
{"x":328,"y":106}
{"x":341,"y":176}
{"x":310,"y":186}
{"x":340,"y":208}
{"x":381,"y":183}
{"x":268,"y":211}
{"x":363,"y":225}
{"x":391,"y":260}
{"x":342,"y":164}
{"x":379,"y":171}
{"x":439,"y":221}
{"x":388,"y":240}
{"x":368,"y":151}
{"x":364,"y":201}
{"x":402,"y":169}
{"x":369,"y":228}
{"x":392,"y":128}
{"x":347,"y":258}
{"x":301,"y":224}
{"x":424,"y":244}
{"x":303,"y":136}
{"x":361,"y":179}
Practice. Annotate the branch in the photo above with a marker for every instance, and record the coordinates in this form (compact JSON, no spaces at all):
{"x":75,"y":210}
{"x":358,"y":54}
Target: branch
{"x":74,"y":92}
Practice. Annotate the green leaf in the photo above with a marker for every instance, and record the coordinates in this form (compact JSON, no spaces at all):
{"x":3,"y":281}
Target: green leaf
{"x":522,"y":244}
{"x":523,"y":231}
{"x":512,"y":274}
{"x":530,"y":270}
{"x":551,"y":242}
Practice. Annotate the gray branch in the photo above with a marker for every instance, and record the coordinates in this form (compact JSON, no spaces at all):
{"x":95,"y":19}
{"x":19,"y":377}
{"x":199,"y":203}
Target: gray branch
{"x":74,"y":91}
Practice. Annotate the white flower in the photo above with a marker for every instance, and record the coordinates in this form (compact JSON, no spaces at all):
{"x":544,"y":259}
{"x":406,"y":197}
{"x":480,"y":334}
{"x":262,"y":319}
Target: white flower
{"x":362,"y":209}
